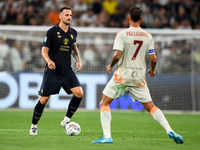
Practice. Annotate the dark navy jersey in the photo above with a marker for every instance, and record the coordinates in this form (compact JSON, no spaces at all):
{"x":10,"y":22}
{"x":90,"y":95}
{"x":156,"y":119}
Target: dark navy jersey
{"x":60,"y":46}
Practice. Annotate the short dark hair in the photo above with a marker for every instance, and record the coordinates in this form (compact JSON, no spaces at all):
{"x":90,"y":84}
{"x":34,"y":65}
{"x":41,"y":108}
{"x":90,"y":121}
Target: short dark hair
{"x":61,"y":9}
{"x":135,"y":13}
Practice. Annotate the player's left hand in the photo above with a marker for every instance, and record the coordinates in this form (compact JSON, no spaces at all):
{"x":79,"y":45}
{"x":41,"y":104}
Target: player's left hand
{"x":78,"y":66}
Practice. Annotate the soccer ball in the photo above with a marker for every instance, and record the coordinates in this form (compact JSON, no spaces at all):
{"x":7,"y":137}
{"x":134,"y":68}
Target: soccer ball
{"x":72,"y":129}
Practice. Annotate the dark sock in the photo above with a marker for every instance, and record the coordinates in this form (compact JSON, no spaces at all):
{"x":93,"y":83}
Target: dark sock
{"x":37,"y":112}
{"x":73,"y":106}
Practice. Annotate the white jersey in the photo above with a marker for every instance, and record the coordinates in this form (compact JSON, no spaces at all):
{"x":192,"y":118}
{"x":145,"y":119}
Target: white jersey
{"x":135,"y":43}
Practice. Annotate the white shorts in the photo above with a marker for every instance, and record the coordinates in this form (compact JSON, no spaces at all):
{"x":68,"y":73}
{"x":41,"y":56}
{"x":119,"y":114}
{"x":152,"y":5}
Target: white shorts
{"x":114,"y":90}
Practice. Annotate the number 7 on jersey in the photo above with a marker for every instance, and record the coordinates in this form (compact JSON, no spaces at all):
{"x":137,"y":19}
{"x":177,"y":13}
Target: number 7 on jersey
{"x":137,"y":49}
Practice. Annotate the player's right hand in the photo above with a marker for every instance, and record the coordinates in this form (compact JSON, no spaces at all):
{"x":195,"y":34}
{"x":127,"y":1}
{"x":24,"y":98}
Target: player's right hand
{"x":51,"y":65}
{"x":151,"y":73}
{"x":109,"y":68}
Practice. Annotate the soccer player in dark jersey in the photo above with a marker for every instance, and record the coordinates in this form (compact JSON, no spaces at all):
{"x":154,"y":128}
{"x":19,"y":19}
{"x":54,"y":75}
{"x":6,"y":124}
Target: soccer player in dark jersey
{"x":59,"y":44}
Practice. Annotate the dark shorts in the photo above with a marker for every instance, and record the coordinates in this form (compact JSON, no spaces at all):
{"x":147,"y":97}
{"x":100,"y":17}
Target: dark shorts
{"x":52,"y":83}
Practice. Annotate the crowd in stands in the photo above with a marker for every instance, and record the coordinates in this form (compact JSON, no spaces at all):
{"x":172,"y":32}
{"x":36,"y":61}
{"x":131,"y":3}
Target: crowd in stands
{"x":19,"y":55}
{"x":176,"y":14}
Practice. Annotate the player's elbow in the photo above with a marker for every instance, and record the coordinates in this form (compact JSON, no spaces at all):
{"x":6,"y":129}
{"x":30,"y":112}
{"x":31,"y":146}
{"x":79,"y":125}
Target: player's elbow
{"x":116,"y":57}
{"x":154,"y":61}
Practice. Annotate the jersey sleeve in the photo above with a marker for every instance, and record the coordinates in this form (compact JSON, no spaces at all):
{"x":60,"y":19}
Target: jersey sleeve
{"x":47,"y":40}
{"x":74,"y":42}
{"x":74,"y":36}
{"x":151,"y":46}
{"x":118,"y":43}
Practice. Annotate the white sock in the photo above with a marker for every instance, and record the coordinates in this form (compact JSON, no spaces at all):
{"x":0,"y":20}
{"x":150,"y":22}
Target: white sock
{"x":33,"y":125}
{"x":105,"y":122}
{"x":159,"y":116}
{"x":67,"y":119}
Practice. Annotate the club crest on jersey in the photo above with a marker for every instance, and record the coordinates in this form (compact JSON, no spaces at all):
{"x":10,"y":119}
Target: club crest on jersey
{"x":65,"y":41}
{"x":72,"y":36}
{"x":58,"y":33}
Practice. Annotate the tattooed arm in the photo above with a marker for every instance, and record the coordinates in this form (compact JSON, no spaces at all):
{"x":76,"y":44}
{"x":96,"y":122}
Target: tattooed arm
{"x":117,"y":55}
{"x":76,"y":55}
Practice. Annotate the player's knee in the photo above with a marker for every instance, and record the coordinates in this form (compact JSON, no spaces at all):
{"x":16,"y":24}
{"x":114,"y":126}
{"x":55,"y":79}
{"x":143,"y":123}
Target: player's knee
{"x":79,"y":94}
{"x":44,"y":100}
{"x":103,"y":103}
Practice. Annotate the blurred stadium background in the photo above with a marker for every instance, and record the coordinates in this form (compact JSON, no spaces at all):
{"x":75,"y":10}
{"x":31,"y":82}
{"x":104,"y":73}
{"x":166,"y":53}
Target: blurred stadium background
{"x":174,"y":25}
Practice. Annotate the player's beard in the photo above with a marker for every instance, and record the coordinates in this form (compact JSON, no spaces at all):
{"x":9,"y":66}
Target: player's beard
{"x":67,"y":22}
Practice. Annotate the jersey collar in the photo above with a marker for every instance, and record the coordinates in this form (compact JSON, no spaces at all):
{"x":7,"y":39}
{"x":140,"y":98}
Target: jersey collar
{"x":60,"y":30}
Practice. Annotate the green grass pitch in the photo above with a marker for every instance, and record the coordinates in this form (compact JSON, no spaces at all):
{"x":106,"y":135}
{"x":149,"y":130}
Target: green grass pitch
{"x":130,"y":131}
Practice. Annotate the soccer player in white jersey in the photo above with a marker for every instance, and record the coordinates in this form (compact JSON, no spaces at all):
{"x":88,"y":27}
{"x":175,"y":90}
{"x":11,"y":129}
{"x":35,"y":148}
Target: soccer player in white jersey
{"x":131,"y":47}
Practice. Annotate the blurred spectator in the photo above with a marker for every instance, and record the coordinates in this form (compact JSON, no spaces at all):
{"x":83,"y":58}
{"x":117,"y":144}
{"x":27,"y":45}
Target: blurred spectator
{"x":184,"y":58}
{"x":49,"y":5}
{"x":96,"y":6}
{"x":125,"y":23}
{"x":40,"y":17}
{"x":29,"y":16}
{"x":116,"y":19}
{"x":9,"y":4}
{"x":105,"y":56}
{"x":102,"y":19}
{"x":185,"y":24}
{"x":89,"y":56}
{"x":124,"y":5}
{"x":163,"y":17}
{"x":79,"y":8}
{"x":141,"y":5}
{"x":195,"y":19}
{"x":160,"y":59}
{"x":88,"y":1}
{"x":180,"y":17}
{"x":148,"y":18}
{"x":26,"y":51}
{"x":37,"y":62}
{"x":20,"y":19}
{"x":21,"y":7}
{"x":170,"y":8}
{"x":3,"y":14}
{"x":155,"y":7}
{"x":157,"y":24}
{"x":4,"y":50}
{"x":88,"y":18}
{"x":175,"y":5}
{"x":163,"y":2}
{"x":15,"y":57}
{"x":37,"y":5}
{"x":110,"y":6}
{"x":54,"y":16}
{"x":11,"y":16}
{"x":1,"y":20}
{"x":165,"y":61}
{"x":196,"y":59}
{"x":188,"y":6}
